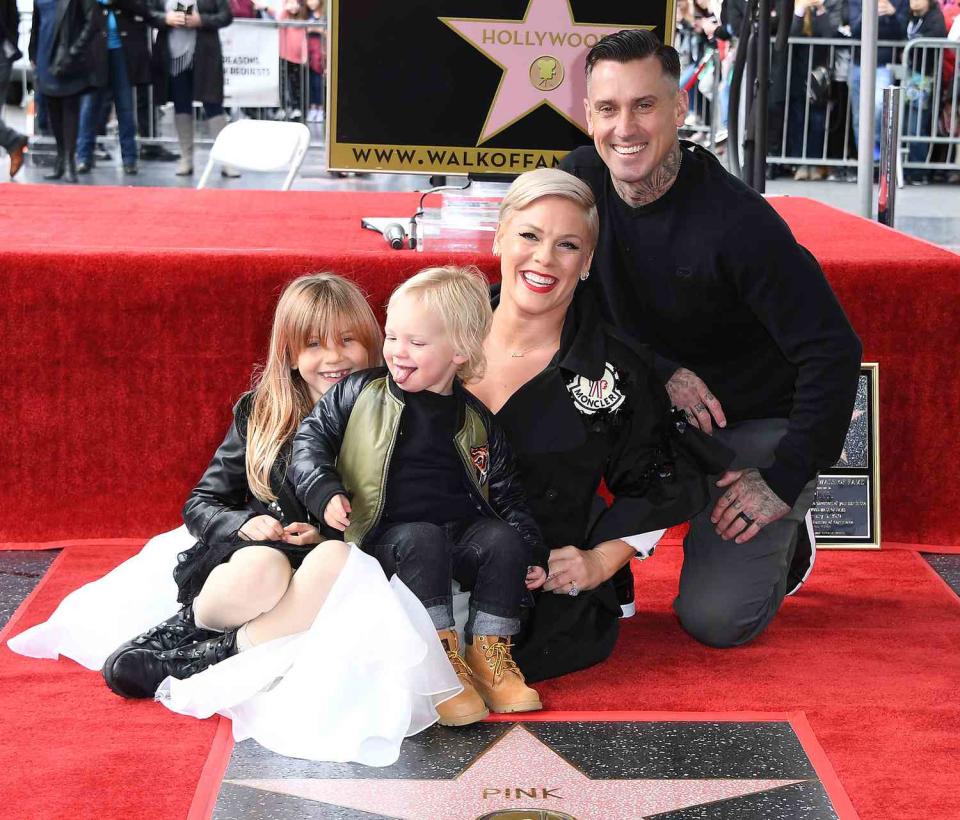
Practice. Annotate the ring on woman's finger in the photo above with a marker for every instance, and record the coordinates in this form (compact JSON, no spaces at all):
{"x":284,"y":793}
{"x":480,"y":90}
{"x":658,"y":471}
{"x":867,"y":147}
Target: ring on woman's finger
{"x":574,"y":590}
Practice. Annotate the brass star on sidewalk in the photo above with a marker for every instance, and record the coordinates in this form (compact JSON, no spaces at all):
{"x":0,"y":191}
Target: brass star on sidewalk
{"x":517,"y":772}
{"x":542,"y":57}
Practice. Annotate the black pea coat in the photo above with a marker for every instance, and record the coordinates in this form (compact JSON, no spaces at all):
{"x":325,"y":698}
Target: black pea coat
{"x":79,"y":53}
{"x":207,"y":58}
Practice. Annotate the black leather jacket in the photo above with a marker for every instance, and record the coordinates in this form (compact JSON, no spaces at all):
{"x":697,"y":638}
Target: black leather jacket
{"x":75,"y":45}
{"x":222,"y":503}
{"x":345,"y":445}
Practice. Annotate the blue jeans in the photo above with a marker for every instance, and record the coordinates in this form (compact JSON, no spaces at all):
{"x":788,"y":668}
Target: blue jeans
{"x":318,"y":89}
{"x":487,"y":557}
{"x":122,"y":93}
{"x":816,"y":129}
{"x":884,"y":78}
{"x":918,"y":93}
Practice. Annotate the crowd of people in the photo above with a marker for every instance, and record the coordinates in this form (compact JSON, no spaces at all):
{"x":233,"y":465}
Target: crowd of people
{"x":808,"y":80}
{"x":92,"y":57}
{"x":466,"y":443}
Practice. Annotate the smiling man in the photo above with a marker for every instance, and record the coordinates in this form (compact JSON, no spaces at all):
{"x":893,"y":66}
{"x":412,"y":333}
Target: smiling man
{"x":750,"y":340}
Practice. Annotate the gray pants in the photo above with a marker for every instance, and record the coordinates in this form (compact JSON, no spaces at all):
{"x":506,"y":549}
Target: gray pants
{"x":730,"y":592}
{"x":8,"y":137}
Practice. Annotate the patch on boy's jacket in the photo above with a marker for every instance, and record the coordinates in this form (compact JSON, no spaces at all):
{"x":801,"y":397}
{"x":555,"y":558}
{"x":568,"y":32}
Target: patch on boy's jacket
{"x":480,"y":456}
{"x":602,"y":395}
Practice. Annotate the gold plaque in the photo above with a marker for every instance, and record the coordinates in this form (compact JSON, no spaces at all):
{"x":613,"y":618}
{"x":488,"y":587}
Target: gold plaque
{"x":546,"y":73}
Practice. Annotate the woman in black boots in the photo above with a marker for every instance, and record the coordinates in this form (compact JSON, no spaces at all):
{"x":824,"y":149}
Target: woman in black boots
{"x":69,"y":52}
{"x":188,"y":66}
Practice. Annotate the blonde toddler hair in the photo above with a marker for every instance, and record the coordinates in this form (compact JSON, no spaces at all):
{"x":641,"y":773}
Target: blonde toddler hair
{"x":460,"y":296}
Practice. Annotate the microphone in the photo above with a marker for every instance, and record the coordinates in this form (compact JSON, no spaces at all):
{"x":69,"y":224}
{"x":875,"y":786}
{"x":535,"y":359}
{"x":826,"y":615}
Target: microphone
{"x":394,"y":234}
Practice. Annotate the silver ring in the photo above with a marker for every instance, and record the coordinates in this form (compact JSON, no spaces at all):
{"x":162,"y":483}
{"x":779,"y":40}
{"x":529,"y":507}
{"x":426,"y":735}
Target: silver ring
{"x":574,"y":590}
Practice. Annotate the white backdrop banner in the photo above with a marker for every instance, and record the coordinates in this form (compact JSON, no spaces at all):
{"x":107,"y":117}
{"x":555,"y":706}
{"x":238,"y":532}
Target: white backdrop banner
{"x":251,"y":65}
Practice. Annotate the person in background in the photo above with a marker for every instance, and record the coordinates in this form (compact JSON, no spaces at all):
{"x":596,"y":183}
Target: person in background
{"x":293,"y":56}
{"x":810,"y":80}
{"x":317,"y":59}
{"x":70,"y":59}
{"x":891,"y":25}
{"x":188,"y":66}
{"x":123,"y":28}
{"x":926,"y":20}
{"x":13,"y":142}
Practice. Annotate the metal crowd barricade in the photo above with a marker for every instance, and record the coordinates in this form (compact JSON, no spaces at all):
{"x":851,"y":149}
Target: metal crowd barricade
{"x":930,"y":109}
{"x":293,"y":90}
{"x":825,"y":65}
{"x":293,"y":98}
{"x":704,"y":116}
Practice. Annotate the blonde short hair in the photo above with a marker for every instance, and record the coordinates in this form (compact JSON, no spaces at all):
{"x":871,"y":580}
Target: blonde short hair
{"x":533,"y":185}
{"x":460,"y":296}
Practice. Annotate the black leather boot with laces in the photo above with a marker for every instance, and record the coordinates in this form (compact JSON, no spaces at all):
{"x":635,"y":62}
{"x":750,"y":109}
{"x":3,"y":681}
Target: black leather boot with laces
{"x":177,"y":630}
{"x":138,"y":672}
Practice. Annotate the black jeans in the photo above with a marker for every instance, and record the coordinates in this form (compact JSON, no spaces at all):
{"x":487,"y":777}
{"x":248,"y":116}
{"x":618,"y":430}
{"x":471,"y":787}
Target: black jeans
{"x":64,"y":113}
{"x":180,"y":88}
{"x":486,"y":556}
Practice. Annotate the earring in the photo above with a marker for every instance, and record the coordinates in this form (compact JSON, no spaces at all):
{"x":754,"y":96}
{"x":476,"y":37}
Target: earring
{"x":584,"y":276}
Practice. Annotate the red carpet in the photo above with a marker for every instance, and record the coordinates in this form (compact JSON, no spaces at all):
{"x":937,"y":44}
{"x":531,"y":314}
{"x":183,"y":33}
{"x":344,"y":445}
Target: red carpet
{"x":868,"y":652}
{"x":71,"y":748}
{"x":132,"y":318}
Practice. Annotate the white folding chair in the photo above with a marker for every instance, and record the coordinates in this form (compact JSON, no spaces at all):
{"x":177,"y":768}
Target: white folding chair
{"x":260,"y":145}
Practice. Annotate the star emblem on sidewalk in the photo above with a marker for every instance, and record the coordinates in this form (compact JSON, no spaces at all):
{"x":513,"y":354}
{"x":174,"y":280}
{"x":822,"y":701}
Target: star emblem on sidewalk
{"x":542,"y":57}
{"x":518,"y":771}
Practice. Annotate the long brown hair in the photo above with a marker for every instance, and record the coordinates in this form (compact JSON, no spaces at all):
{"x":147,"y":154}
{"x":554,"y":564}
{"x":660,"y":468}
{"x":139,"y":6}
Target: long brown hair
{"x":319,"y":305}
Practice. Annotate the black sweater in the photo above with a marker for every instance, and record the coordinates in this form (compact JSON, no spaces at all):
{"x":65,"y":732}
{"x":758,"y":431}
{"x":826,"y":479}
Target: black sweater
{"x":713,"y":280}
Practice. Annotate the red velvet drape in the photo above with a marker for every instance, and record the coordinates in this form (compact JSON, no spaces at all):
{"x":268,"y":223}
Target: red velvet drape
{"x":131,"y":319}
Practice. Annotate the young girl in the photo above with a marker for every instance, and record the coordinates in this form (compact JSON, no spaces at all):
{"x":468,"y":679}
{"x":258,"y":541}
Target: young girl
{"x":260,"y":571}
{"x":293,"y":55}
{"x":417,"y":473}
{"x":317,"y":58}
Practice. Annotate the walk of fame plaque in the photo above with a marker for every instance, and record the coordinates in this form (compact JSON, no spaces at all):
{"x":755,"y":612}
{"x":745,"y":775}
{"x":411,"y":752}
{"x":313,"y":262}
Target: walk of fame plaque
{"x":592,"y":768}
{"x":467,"y":86}
{"x":846,"y":511}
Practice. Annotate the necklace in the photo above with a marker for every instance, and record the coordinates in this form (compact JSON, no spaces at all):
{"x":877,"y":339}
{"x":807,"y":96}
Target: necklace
{"x":519,"y":354}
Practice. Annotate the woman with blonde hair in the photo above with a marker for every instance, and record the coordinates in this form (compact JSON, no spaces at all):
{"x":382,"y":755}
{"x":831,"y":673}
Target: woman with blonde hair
{"x":580,"y":406}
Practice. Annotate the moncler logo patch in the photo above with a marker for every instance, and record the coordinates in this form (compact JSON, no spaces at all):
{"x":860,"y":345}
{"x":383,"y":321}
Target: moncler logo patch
{"x":480,"y":456}
{"x":595,"y":396}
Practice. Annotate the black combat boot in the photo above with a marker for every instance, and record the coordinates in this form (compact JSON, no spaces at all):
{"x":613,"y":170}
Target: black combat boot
{"x":138,"y":672}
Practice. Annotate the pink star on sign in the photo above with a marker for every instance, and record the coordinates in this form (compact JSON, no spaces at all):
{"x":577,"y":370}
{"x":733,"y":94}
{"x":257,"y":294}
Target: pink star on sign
{"x":547,"y":30}
{"x":517,"y":772}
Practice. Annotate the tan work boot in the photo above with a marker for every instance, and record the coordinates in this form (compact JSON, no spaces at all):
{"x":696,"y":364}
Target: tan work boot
{"x":497,"y":678}
{"x":468,"y":706}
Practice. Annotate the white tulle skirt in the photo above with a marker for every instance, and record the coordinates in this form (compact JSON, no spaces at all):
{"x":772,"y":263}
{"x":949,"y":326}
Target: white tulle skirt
{"x":369,"y":671}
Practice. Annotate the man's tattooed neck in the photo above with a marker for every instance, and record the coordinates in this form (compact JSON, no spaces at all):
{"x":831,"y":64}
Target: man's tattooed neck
{"x":654,"y":186}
